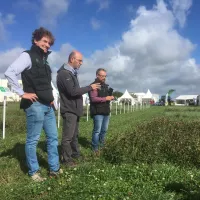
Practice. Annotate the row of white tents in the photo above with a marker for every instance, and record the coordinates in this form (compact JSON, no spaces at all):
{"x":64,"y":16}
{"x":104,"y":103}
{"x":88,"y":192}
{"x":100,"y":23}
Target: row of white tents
{"x":138,"y":98}
{"x":133,"y":98}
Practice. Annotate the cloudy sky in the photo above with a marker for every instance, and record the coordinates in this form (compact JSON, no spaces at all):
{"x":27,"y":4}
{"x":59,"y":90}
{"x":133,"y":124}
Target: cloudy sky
{"x":143,"y":44}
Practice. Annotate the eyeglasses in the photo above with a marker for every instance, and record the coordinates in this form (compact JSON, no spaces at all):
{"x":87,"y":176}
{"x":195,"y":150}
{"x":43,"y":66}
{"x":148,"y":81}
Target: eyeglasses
{"x":78,"y":60}
{"x":102,"y":76}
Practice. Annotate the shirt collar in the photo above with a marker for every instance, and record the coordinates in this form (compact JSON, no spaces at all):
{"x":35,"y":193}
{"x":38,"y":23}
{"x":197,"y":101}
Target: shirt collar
{"x":39,"y":50}
{"x":71,"y":69}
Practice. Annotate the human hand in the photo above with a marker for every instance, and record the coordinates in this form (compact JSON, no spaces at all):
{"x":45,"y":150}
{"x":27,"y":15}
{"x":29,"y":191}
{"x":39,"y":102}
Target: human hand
{"x":109,"y":98}
{"x":31,"y":96}
{"x":96,"y":86}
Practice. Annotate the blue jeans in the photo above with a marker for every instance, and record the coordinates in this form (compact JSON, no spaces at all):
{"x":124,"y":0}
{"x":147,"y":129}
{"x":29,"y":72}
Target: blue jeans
{"x":99,"y":131}
{"x":40,"y":116}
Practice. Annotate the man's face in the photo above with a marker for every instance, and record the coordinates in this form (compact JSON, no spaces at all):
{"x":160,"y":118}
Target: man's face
{"x":44,"y":43}
{"x":101,"y":76}
{"x":77,"y":60}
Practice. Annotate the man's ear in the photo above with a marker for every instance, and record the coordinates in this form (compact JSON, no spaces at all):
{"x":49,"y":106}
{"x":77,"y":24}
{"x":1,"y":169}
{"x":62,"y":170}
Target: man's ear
{"x":35,"y":41}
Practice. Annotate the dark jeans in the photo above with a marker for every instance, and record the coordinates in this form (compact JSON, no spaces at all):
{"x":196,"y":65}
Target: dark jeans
{"x":69,"y":143}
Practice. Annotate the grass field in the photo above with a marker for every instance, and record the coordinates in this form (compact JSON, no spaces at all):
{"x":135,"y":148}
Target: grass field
{"x":106,"y":179}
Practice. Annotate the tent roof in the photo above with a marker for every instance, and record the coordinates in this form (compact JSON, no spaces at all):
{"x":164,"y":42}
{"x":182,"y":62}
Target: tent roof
{"x":185,"y":97}
{"x":139,"y":93}
{"x":126,"y":95}
{"x":148,"y":95}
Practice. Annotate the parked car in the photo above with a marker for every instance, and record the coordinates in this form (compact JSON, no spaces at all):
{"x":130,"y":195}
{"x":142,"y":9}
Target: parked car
{"x":159,"y":104}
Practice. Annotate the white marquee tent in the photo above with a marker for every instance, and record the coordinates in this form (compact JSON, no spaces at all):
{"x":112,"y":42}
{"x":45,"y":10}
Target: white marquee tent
{"x":184,"y":100}
{"x":148,"y":95}
{"x":12,"y":96}
{"x":139,"y":96}
{"x":127,"y":96}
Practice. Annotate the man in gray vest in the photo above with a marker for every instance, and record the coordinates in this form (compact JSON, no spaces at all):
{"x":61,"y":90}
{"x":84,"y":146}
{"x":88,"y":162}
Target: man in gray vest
{"x":37,"y":98}
{"x":100,"y":110}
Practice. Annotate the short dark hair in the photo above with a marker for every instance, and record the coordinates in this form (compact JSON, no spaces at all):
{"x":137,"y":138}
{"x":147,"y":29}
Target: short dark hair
{"x":100,"y":69}
{"x":41,"y":32}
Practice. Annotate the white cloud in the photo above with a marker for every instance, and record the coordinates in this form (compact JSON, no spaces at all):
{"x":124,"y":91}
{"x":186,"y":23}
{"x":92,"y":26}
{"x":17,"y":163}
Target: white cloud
{"x":96,"y":24}
{"x":181,"y":9}
{"x":48,"y":11}
{"x":9,"y":19}
{"x":7,"y":58}
{"x":26,"y":5}
{"x":103,"y":4}
{"x":131,"y":9}
{"x":151,"y":54}
{"x":57,"y":59}
{"x":51,"y":11}
{"x":4,"y":21}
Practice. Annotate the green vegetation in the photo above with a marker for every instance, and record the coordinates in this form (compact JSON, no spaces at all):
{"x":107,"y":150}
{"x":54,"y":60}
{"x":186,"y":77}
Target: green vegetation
{"x":150,"y":154}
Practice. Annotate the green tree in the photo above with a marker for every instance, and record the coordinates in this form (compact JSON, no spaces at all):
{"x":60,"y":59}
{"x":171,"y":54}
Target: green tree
{"x":117,"y":94}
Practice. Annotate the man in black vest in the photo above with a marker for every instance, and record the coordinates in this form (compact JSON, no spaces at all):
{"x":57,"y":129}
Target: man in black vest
{"x":37,"y":98}
{"x":71,"y":106}
{"x":100,"y":110}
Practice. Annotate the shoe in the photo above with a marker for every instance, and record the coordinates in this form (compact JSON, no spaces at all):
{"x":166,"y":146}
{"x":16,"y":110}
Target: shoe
{"x":37,"y":177}
{"x":96,"y":153}
{"x":78,"y":158}
{"x":102,"y":146}
{"x":70,"y":164}
{"x":55,"y":174}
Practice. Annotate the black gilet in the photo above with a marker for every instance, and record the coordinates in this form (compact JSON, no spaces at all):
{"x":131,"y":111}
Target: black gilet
{"x":102,"y":108}
{"x":37,"y":79}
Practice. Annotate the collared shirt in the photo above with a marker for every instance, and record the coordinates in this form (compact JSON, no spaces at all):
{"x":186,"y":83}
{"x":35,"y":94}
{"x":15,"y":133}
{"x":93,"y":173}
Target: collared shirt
{"x":17,"y":67}
{"x":71,"y":69}
{"x":95,"y":98}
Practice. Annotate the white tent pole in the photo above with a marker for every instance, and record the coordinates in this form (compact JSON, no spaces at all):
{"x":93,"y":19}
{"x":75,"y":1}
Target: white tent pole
{"x":120,"y":108}
{"x":4,"y":116}
{"x":58,"y":114}
{"x":110,"y":107}
{"x":87,"y":106}
{"x":128,"y":106}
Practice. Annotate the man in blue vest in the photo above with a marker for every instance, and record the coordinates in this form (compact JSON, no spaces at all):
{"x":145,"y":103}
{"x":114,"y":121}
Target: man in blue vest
{"x":37,"y":98}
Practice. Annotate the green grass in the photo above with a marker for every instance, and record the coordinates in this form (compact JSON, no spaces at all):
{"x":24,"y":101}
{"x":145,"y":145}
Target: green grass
{"x":98,"y":178}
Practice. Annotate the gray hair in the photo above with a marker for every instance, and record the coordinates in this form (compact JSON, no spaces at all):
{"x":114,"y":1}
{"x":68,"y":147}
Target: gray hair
{"x":100,"y":69}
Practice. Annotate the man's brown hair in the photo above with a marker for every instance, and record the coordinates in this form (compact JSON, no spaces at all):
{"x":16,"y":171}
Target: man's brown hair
{"x":41,"y":32}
